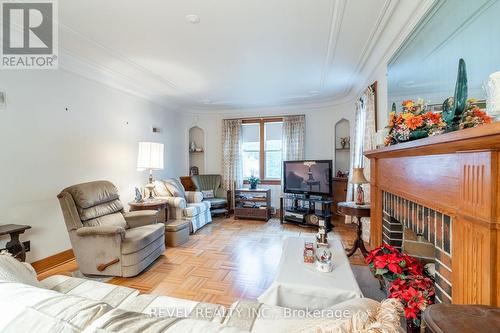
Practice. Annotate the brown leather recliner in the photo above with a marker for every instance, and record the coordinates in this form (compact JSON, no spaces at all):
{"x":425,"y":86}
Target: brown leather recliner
{"x":105,"y":239}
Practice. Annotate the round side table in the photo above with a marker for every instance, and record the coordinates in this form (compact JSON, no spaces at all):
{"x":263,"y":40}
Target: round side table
{"x":350,"y":208}
{"x":156,"y":204}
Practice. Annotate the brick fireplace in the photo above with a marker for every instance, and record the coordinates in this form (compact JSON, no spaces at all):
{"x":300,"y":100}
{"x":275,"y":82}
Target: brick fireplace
{"x":433,"y":226}
{"x":444,"y":188}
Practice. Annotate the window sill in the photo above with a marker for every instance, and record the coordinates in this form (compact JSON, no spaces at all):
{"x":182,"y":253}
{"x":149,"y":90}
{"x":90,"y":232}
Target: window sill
{"x":266,"y":182}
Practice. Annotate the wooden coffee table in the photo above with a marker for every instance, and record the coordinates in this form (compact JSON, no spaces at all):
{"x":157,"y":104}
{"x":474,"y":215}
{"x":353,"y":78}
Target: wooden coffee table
{"x":299,"y":285}
{"x":156,"y":204}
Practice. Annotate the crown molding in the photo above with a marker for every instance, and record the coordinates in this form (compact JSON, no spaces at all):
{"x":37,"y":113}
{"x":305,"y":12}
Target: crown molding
{"x":100,"y":74}
{"x":127,"y":80}
{"x":350,"y":94}
{"x":424,"y":7}
{"x":336,"y":19}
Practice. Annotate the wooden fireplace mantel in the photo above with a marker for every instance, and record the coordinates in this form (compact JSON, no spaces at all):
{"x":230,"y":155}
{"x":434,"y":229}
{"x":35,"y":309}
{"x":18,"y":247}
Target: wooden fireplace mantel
{"x":457,"y":174}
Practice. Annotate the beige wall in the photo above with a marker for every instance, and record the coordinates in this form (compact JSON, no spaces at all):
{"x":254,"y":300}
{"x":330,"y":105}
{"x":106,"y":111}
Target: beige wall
{"x":46,"y":148}
{"x":319,"y":140}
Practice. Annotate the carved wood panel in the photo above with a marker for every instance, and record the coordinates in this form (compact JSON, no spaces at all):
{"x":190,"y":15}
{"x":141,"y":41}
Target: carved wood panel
{"x":476,"y":184}
{"x":473,"y":264}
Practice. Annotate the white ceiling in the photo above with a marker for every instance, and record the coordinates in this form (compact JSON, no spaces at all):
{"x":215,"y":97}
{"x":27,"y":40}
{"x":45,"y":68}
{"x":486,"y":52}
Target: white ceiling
{"x":242,"y":53}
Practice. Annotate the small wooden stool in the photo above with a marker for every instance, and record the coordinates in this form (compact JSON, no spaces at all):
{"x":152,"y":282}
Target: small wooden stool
{"x":176,"y":232}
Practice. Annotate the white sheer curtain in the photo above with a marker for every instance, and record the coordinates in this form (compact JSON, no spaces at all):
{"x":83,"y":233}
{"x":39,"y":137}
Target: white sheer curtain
{"x":293,"y":137}
{"x":232,"y":174}
{"x":364,"y":129}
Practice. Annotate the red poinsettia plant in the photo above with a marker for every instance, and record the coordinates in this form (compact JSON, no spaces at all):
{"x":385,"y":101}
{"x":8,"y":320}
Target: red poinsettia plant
{"x":415,"y":292}
{"x":386,"y":261}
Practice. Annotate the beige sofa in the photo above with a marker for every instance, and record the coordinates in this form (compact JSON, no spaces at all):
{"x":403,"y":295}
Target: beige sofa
{"x":105,"y":239}
{"x":72,"y":305}
{"x":187,"y":205}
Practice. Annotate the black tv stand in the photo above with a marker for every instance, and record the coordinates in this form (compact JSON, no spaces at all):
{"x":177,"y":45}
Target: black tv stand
{"x":298,"y":209}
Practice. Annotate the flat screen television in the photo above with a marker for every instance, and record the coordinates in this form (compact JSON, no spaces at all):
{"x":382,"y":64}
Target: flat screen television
{"x":308,"y":177}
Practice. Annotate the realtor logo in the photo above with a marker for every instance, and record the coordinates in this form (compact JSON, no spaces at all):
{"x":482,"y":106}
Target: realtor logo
{"x":29,"y":34}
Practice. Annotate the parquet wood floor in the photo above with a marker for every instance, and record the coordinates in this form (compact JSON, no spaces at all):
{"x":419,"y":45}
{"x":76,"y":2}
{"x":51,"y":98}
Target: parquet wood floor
{"x":224,"y":261}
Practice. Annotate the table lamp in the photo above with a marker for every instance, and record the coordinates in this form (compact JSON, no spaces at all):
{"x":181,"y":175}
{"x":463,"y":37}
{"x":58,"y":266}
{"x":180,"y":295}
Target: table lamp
{"x":150,"y":157}
{"x":358,"y":179}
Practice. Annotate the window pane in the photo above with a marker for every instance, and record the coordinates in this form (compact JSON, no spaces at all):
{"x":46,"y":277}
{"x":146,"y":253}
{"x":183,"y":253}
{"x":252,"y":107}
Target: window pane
{"x":273,"y":143}
{"x":273,"y":133}
{"x":273,"y":164}
{"x":250,"y":164}
{"x":251,"y":149}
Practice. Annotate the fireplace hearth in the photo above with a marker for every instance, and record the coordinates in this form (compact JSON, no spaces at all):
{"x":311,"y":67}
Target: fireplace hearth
{"x":435,"y":227}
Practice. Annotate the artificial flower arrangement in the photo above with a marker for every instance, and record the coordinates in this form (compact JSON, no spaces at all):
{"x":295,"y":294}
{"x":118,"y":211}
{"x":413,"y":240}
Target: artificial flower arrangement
{"x":414,"y":122}
{"x":473,"y":116}
{"x":405,"y":276}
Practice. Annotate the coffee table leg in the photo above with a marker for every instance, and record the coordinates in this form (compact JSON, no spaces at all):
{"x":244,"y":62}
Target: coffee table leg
{"x":358,"y":243}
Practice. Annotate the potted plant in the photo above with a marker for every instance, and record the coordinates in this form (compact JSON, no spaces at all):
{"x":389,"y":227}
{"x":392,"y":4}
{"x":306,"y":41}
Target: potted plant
{"x":253,"y":182}
{"x":388,"y":264}
{"x":415,"y":292}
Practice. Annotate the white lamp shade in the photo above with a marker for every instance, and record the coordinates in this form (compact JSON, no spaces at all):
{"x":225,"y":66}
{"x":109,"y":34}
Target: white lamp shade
{"x":150,"y":156}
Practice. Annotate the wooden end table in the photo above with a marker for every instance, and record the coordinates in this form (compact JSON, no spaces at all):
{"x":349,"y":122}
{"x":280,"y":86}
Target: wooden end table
{"x":350,"y":208}
{"x":15,"y":246}
{"x":156,"y":204}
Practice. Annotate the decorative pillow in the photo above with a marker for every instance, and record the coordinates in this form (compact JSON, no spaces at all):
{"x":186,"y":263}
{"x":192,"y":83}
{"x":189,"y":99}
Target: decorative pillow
{"x":175,"y":188}
{"x":161,"y":190}
{"x":208,"y":194}
{"x":13,"y":270}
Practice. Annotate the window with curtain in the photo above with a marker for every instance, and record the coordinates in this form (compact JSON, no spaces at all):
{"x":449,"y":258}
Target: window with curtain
{"x":359,"y":133}
{"x":262,"y":149}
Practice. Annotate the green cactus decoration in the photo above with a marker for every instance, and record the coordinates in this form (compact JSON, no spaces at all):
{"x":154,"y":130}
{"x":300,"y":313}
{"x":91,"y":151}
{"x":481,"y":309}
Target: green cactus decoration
{"x":453,"y":108}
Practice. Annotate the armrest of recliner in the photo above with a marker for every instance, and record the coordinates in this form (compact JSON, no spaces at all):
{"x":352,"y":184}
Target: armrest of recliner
{"x":100,"y":231}
{"x":140,"y":218}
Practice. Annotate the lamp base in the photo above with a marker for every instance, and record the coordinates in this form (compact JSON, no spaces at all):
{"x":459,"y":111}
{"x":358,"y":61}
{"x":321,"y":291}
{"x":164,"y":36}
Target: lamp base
{"x":150,"y":187}
{"x":360,"y":195}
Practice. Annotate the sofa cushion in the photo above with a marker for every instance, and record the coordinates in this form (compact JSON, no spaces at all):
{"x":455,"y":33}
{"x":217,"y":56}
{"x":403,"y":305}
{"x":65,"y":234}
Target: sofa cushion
{"x":25,"y":308}
{"x":140,"y":237}
{"x":194,"y":209}
{"x":217,"y":202}
{"x":90,"y":194}
{"x":120,"y":321}
{"x":94,"y":290}
{"x":15,"y":271}
{"x":194,"y":196}
{"x":170,"y":307}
